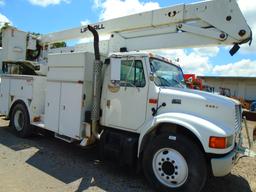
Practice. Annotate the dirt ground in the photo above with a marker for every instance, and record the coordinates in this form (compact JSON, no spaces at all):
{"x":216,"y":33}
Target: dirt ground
{"x":45,"y":164}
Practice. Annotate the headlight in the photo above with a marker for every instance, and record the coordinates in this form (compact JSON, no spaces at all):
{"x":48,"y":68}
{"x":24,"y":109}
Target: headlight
{"x":220,"y":142}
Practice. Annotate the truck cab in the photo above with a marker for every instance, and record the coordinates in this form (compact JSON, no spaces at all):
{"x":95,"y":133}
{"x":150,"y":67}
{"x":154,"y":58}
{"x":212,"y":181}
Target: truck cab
{"x":146,"y":95}
{"x":148,"y":88}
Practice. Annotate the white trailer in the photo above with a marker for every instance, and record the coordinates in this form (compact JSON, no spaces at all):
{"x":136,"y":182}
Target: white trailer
{"x":134,"y":104}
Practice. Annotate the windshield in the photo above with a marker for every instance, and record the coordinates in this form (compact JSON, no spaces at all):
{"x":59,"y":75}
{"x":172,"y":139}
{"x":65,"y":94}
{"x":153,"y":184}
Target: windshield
{"x":167,"y":74}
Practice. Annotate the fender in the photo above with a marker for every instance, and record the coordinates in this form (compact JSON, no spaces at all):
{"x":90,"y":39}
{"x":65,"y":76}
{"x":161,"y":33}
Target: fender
{"x":23,"y":101}
{"x":200,"y":127}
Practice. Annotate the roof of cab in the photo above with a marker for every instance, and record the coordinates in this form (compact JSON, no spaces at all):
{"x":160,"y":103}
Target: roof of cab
{"x":141,"y":54}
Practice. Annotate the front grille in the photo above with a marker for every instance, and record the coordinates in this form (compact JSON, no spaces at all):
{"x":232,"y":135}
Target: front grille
{"x":238,"y":117}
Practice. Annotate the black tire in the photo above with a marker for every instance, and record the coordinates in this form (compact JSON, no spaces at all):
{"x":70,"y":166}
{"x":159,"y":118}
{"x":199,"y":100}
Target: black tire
{"x":196,"y":174}
{"x":20,"y":121}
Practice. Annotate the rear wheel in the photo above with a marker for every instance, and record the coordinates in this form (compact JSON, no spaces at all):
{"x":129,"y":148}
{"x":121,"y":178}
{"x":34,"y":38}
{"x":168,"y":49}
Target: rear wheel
{"x":20,"y":121}
{"x":175,"y":164}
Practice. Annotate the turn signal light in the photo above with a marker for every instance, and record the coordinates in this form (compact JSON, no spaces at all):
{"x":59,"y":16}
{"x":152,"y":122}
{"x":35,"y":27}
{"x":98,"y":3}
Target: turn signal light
{"x":220,"y":142}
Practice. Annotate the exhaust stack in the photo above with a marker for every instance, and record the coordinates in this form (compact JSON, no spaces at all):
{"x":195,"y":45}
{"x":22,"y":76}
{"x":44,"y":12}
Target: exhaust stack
{"x":95,"y":114}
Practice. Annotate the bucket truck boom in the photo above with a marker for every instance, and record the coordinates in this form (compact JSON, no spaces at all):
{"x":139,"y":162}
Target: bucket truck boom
{"x":209,"y":23}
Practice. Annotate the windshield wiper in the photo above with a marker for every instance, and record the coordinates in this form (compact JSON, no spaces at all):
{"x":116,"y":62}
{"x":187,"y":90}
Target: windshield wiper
{"x":163,"y":82}
{"x":178,"y":83}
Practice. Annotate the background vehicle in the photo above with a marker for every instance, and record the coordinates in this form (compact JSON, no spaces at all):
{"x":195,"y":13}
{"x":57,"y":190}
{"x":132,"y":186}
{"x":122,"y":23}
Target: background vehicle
{"x":193,"y":82}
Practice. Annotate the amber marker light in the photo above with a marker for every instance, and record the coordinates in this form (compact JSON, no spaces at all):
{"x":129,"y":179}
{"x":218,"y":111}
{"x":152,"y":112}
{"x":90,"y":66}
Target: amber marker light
{"x":37,"y":119}
{"x":152,"y":101}
{"x":220,"y":142}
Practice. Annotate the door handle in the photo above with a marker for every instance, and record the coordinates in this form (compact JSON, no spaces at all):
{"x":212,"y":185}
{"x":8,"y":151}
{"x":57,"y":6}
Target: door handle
{"x":108,"y":103}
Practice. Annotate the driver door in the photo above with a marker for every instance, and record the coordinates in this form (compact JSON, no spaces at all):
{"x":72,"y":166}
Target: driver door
{"x":126,"y":108}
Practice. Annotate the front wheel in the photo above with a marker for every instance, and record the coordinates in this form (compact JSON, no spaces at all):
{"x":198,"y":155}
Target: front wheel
{"x":174,"y":163}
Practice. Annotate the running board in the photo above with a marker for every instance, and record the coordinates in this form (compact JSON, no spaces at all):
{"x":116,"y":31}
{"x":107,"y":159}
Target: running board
{"x":64,"y":138}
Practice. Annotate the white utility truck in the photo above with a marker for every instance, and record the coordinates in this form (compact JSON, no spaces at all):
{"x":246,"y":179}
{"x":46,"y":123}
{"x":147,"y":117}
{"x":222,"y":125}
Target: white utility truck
{"x":134,"y":104}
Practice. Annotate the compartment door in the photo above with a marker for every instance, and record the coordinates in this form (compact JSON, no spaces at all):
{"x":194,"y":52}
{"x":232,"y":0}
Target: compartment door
{"x":52,"y":106}
{"x":21,"y":88}
{"x":71,"y":109}
{"x":4,"y":96}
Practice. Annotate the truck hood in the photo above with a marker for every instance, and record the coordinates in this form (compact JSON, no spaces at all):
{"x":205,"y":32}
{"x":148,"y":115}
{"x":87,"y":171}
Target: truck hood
{"x":214,"y":108}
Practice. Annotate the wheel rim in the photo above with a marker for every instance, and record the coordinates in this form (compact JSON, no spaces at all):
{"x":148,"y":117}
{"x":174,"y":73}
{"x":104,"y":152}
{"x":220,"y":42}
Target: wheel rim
{"x":170,"y":167}
{"x":19,"y":120}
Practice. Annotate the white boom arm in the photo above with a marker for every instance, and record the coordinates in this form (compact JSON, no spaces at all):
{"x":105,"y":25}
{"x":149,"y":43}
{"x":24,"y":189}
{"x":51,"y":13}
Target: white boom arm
{"x":208,"y":23}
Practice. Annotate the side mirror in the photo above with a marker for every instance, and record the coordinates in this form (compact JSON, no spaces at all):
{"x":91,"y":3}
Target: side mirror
{"x":115,"y":75}
{"x":115,"y":67}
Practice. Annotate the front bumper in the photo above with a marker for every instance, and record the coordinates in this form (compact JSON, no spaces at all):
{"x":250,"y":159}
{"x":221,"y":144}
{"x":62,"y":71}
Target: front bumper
{"x":222,"y":166}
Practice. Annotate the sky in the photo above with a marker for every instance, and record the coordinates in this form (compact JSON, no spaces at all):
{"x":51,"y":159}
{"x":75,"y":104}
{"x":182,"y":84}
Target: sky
{"x":44,"y":16}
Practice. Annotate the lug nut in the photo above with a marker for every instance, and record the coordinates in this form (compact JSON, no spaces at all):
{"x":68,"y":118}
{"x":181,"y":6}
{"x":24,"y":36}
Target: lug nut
{"x":242,"y":32}
{"x":222,"y":36}
{"x":228,"y":18}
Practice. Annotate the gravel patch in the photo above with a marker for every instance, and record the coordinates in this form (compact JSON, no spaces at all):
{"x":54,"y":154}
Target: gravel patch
{"x":45,"y":164}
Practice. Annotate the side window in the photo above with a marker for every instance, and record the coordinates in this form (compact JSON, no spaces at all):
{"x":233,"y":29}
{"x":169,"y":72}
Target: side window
{"x":132,"y":73}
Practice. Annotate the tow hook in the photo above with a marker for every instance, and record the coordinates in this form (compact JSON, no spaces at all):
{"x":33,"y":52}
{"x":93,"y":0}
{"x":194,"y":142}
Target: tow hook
{"x":243,"y":150}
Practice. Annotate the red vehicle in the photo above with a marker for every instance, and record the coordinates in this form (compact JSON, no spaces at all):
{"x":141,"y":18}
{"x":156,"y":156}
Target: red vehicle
{"x":193,"y":82}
